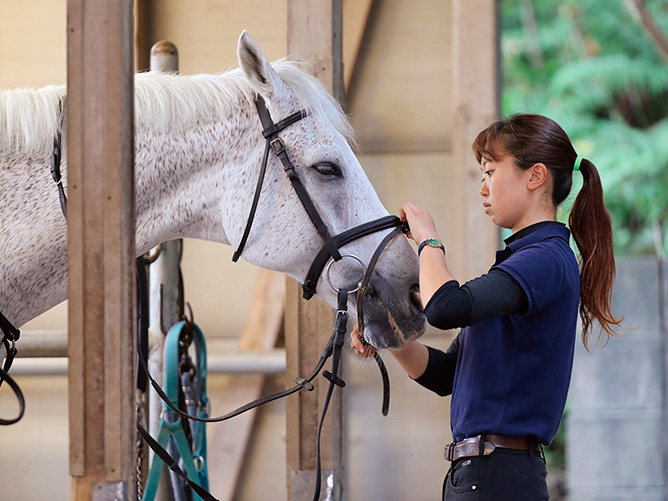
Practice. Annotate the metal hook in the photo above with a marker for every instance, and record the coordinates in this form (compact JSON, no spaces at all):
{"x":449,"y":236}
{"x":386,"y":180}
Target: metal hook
{"x":187,"y":332}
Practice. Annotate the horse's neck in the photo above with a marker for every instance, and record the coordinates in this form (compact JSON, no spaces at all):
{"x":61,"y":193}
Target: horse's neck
{"x":183,"y":182}
{"x":33,"y":238}
{"x":181,"y":185}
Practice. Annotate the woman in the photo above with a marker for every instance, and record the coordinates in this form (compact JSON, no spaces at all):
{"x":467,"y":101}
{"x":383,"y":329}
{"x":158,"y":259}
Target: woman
{"x":509,"y":368}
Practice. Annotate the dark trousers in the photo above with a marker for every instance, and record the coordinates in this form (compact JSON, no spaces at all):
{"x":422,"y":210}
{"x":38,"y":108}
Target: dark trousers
{"x":504,"y":475}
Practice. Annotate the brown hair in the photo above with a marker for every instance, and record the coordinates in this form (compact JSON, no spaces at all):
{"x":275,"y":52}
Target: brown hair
{"x":532,"y":139}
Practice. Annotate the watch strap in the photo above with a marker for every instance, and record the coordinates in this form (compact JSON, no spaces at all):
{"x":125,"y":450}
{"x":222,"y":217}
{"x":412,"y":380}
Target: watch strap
{"x":430,"y":242}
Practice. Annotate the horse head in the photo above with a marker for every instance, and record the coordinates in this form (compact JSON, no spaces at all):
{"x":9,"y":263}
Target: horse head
{"x":283,"y":237}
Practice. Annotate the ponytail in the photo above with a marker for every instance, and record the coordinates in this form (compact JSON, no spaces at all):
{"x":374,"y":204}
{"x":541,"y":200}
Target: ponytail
{"x":531,"y":139}
{"x":591,"y":227}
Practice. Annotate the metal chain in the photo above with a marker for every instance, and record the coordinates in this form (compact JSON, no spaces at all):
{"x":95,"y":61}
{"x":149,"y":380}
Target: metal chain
{"x":140,"y":451}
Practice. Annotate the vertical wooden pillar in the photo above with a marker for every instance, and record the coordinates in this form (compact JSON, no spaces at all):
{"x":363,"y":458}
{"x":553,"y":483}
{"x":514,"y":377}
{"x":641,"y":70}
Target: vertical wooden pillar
{"x":475,"y":105}
{"x":314,"y":36}
{"x":165,"y":301}
{"x":101,"y":249}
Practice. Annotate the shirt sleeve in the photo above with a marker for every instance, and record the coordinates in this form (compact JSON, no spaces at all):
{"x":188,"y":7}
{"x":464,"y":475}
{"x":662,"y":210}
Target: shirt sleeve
{"x":439,"y":375}
{"x":494,"y":294}
{"x":538,"y":271}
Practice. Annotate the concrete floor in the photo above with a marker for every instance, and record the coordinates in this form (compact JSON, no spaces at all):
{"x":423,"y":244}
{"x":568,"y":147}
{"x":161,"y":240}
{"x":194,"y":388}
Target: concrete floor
{"x":393,"y":458}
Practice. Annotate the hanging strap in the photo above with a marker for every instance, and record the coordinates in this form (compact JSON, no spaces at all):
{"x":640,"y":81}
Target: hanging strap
{"x":333,"y":349}
{"x":256,"y":199}
{"x":172,"y":464}
{"x":19,"y":396}
{"x":10,"y":335}
{"x":55,"y":170}
{"x":339,"y":336}
{"x":365,"y":284}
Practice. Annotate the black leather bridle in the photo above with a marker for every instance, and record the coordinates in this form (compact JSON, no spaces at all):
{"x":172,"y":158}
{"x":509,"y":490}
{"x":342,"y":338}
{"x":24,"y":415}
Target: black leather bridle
{"x":332,"y":244}
{"x":329,"y":251}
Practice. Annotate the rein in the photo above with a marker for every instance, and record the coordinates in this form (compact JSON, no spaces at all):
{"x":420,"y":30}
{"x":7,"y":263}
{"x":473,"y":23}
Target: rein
{"x":10,"y":335}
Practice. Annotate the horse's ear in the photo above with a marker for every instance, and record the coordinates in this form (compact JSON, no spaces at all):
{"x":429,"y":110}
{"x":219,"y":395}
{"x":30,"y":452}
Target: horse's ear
{"x":256,"y":68}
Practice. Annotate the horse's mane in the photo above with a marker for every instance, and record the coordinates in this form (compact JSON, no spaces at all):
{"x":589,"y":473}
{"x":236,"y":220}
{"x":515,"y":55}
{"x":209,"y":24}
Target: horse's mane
{"x":164,"y":103}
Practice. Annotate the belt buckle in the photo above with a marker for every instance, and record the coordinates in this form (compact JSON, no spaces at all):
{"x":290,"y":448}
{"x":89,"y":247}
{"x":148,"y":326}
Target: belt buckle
{"x":449,"y":452}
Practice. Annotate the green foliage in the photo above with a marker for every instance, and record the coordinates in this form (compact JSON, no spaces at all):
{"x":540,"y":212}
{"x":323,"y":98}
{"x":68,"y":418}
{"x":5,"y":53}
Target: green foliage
{"x":590,"y":65}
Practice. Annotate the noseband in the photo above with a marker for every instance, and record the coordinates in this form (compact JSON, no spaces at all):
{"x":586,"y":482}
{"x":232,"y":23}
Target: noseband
{"x":330,"y":249}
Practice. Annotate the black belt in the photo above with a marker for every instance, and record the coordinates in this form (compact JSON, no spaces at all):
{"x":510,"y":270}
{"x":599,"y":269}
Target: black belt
{"x":470,"y":447}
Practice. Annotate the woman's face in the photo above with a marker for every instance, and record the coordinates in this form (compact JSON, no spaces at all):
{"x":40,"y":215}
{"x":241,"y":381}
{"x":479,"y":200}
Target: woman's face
{"x":504,"y":191}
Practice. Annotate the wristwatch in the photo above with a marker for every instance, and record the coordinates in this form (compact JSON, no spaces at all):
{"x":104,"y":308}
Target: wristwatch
{"x":431,"y":242}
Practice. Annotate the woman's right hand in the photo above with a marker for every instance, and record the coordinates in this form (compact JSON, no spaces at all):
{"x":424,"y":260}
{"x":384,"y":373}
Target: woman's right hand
{"x":361,"y":349}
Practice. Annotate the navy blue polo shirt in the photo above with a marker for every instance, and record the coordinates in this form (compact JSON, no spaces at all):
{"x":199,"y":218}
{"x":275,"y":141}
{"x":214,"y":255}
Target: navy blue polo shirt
{"x":513,"y":371}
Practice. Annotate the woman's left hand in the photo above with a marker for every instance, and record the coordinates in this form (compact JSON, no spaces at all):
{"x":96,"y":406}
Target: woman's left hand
{"x":361,"y":349}
{"x":420,"y":222}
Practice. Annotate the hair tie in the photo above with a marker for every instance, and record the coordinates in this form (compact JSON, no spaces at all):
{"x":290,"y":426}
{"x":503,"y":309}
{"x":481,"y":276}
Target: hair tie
{"x":578,"y":160}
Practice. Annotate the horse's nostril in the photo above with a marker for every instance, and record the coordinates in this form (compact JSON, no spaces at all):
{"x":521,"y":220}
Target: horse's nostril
{"x":415,"y":297}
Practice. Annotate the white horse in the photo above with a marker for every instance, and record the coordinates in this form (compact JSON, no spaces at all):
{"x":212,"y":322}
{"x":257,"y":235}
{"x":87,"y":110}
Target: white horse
{"x":198,"y":153}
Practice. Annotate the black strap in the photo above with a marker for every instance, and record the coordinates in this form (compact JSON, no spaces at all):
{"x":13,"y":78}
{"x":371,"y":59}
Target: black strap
{"x":11,"y":332}
{"x":4,"y":375}
{"x":256,"y":199}
{"x":10,"y":335}
{"x":304,"y":197}
{"x":270,"y":132}
{"x":300,"y":383}
{"x":338,"y":336}
{"x":365,"y":229}
{"x":142,"y":319}
{"x":172,"y":464}
{"x":55,"y":170}
{"x":9,"y":338}
{"x":361,"y":293}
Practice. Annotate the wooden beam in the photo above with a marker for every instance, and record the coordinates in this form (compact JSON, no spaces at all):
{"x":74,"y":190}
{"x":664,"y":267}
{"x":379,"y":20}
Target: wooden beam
{"x":101,"y":247}
{"x":262,"y":330}
{"x":314,"y":36}
{"x":476,"y":105}
{"x":355,"y":21}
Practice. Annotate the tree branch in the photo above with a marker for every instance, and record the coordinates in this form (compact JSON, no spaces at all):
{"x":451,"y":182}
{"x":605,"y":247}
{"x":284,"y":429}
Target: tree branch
{"x":640,"y":12}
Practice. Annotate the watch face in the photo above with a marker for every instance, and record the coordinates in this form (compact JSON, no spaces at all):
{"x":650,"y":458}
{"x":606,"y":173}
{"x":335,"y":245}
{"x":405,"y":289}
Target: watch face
{"x":434,"y":242}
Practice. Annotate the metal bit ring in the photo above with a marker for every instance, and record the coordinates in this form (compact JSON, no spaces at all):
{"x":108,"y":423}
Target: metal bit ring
{"x":329,"y":267}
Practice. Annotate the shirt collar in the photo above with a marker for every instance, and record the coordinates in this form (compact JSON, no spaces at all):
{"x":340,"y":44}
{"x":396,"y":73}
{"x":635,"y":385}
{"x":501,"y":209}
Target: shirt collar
{"x":530,"y":235}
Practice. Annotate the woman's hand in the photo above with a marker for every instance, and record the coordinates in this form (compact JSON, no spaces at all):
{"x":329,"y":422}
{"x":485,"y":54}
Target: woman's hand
{"x":361,"y":349}
{"x":420,"y":222}
{"x":413,"y":356}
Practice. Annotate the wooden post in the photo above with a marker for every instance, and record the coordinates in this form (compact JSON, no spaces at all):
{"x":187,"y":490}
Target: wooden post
{"x":165,"y":301}
{"x":314,"y":36}
{"x":475,"y":105}
{"x":101,"y":249}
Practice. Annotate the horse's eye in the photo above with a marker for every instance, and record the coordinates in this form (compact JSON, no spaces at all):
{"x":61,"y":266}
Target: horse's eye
{"x":328,"y":169}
